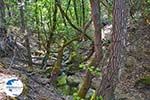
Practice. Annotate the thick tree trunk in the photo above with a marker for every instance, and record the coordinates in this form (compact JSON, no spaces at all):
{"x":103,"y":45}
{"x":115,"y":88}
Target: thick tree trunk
{"x":110,"y":73}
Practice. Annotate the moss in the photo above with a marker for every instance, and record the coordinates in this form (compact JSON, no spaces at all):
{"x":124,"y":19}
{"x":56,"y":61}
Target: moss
{"x":25,"y":88}
{"x":145,"y":80}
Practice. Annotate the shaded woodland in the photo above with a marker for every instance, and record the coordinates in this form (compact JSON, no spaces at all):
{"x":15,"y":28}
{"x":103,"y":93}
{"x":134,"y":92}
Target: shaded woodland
{"x":77,"y":49}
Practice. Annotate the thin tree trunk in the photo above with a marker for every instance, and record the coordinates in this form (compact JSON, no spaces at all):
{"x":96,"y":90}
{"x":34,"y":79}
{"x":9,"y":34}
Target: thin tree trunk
{"x":110,"y":73}
{"x":2,"y":14}
{"x":37,"y":25}
{"x":22,"y":15}
{"x":95,"y":10}
{"x":83,"y":12}
{"x":49,"y":41}
{"x":29,"y":50}
{"x":22,"y":22}
{"x":75,"y":11}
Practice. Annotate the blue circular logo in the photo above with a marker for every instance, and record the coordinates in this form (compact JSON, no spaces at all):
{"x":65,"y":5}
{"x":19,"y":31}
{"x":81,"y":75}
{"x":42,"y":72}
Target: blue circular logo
{"x":13,"y":87}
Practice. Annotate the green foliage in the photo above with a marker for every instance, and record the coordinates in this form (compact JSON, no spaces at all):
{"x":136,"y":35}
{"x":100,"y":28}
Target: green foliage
{"x":92,"y":69}
{"x":145,"y":80}
{"x":94,"y":97}
{"x":82,"y":66}
{"x":62,"y":80}
{"x":64,"y":87}
{"x":62,"y":84}
{"x":76,"y":97}
{"x":99,"y":98}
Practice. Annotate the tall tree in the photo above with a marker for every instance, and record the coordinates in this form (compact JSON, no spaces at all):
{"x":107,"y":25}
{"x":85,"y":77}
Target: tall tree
{"x":23,"y":27}
{"x":22,"y":21}
{"x":111,"y":72}
{"x":2,"y":26}
{"x":95,"y":12}
{"x":2,"y":14}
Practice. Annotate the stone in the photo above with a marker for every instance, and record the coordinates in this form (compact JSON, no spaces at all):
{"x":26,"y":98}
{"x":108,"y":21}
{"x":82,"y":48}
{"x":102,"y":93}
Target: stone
{"x":131,"y":61}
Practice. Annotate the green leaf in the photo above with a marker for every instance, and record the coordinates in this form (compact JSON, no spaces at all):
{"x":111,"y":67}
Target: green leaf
{"x":81,"y":66}
{"x":62,"y":80}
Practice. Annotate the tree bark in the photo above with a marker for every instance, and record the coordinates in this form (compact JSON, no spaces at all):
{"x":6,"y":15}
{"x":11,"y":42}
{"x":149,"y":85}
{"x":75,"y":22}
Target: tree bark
{"x":95,"y":11}
{"x":23,"y":28}
{"x":22,"y":21}
{"x":28,"y":50}
{"x":95,"y":61}
{"x":2,"y":14}
{"x":51,"y":33}
{"x":110,"y":76}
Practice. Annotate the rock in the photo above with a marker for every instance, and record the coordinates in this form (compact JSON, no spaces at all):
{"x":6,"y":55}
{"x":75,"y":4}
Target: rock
{"x":96,"y":82}
{"x":69,"y":98}
{"x":90,"y":93}
{"x":106,"y":32}
{"x":131,"y":61}
{"x":74,"y":80}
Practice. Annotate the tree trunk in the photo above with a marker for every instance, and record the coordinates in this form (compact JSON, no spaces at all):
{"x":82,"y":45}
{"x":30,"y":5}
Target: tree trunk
{"x":23,"y":27}
{"x":2,"y":14}
{"x":28,"y":49}
{"x":85,"y":85}
{"x":110,"y":73}
{"x":22,"y":22}
{"x":95,"y":10}
{"x":37,"y":26}
{"x":51,"y":33}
